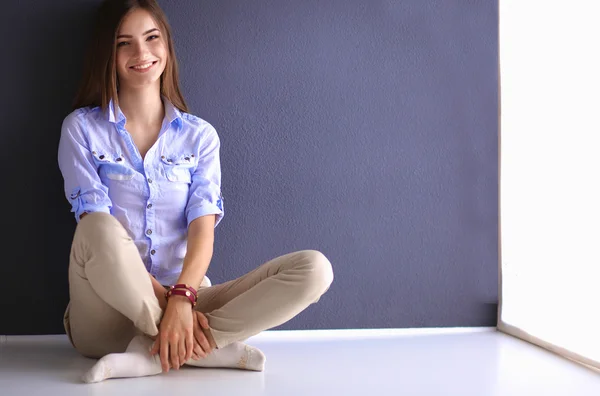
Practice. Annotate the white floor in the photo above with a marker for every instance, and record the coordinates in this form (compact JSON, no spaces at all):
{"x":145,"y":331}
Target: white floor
{"x":478,"y":362}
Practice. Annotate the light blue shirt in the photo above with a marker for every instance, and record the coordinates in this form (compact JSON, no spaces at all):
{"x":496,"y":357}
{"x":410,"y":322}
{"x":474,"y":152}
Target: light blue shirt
{"x":154,"y":198}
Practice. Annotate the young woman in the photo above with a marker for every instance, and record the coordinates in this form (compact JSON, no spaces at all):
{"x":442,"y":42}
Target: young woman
{"x":143,"y":178}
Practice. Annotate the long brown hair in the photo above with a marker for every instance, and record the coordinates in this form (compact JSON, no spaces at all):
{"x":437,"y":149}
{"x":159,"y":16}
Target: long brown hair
{"x":99,"y":80}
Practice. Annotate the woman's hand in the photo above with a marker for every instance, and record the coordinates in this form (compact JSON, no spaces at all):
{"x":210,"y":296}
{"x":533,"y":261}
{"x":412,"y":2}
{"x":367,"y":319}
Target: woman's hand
{"x":175,"y":339}
{"x":201,"y":344}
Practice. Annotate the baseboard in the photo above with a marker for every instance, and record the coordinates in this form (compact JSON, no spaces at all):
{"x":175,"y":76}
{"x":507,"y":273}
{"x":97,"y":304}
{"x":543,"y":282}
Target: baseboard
{"x":313,"y":335}
{"x":342,"y":334}
{"x":565,"y":353}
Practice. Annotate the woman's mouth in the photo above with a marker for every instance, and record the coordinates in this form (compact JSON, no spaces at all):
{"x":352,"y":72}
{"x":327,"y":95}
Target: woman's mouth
{"x":143,"y":67}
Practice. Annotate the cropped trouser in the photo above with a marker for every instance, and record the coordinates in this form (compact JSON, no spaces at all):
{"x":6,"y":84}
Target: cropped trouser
{"x":112,"y":299}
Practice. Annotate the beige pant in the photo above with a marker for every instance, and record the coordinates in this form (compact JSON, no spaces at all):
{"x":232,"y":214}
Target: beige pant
{"x":112,"y":300}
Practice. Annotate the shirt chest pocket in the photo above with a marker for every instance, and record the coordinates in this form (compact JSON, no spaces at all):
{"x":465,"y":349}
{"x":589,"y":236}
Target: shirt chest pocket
{"x":112,"y":166}
{"x":179,"y":168}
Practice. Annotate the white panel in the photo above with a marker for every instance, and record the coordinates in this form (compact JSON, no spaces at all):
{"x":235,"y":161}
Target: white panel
{"x":550,"y":171}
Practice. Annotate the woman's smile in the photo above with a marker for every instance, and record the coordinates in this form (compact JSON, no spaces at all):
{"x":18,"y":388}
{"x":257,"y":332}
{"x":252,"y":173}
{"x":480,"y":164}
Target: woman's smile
{"x":142,"y":68}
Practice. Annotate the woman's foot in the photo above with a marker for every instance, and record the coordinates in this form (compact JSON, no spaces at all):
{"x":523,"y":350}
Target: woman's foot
{"x":136,"y":361}
{"x":237,"y":355}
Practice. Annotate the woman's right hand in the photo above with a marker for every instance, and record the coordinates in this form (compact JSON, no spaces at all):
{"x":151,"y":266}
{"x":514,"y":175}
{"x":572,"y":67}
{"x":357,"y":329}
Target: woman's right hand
{"x":201,"y":344}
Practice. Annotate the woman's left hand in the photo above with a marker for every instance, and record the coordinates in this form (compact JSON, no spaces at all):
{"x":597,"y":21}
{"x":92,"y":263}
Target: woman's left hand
{"x":175,"y":339}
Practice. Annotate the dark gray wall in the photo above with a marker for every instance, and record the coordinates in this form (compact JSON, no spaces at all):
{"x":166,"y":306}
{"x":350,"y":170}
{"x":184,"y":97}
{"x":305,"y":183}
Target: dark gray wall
{"x":364,"y":129}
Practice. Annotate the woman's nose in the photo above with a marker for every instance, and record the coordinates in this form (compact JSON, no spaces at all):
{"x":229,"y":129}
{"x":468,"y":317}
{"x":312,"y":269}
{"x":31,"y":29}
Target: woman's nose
{"x":140,"y":51}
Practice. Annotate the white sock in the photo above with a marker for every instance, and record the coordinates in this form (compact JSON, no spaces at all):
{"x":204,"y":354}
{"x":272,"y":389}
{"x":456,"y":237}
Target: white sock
{"x":136,"y":361}
{"x":236,"y":355}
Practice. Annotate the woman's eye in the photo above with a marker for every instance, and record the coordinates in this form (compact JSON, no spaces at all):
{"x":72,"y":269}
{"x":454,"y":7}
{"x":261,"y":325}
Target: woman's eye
{"x":122,"y":43}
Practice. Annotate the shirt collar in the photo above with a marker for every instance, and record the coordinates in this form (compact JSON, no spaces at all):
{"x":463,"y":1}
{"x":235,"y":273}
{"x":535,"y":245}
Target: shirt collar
{"x":172,"y":113}
{"x":115,"y":115}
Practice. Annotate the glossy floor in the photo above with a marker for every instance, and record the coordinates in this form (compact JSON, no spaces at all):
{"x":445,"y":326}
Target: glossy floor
{"x":478,"y":362}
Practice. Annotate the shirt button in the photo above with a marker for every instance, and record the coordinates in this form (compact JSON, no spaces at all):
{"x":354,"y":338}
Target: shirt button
{"x":148,"y":232}
{"x":149,"y":180}
{"x":149,"y":206}
{"x":153,"y":252}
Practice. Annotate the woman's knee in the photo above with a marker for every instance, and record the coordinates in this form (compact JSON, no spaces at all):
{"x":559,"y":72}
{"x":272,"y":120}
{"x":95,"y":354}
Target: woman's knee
{"x":321,"y":271}
{"x":99,"y":227}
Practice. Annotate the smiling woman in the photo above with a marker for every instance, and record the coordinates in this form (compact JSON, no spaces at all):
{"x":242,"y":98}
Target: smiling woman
{"x":100,"y":83}
{"x":140,"y":59}
{"x":143,"y":178}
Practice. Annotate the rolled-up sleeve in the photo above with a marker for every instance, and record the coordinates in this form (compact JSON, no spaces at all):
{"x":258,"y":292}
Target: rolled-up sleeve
{"x":83,"y":187}
{"x":205,"y":191}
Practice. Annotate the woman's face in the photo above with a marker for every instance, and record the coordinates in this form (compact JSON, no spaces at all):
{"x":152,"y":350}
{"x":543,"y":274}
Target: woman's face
{"x":141,"y":51}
